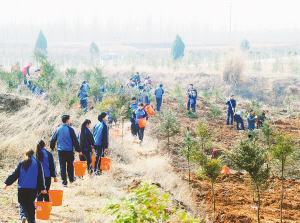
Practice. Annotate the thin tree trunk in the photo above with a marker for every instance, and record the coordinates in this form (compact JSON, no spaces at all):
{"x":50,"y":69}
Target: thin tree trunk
{"x":168,"y":142}
{"x":122,"y":130}
{"x":282,"y":191}
{"x":213,"y":192}
{"x":258,"y":207}
{"x":189,"y":170}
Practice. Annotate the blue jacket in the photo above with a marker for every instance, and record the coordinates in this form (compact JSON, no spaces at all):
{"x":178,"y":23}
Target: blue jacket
{"x":193,"y":98}
{"x":251,"y":122}
{"x":159,"y":92}
{"x":82,"y":95}
{"x":32,"y":178}
{"x":102,"y":89}
{"x":88,"y":140}
{"x":139,"y":114}
{"x":121,"y":92}
{"x":233,"y":103}
{"x":101,"y":135}
{"x":144,"y":99}
{"x":134,"y":106}
{"x":48,"y":163}
{"x":66,"y":139}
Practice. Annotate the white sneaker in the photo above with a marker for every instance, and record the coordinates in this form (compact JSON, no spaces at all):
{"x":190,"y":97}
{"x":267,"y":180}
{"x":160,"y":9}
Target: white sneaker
{"x":141,"y":142}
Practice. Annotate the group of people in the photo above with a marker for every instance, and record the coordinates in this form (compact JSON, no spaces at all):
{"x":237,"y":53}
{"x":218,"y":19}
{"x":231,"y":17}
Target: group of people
{"x":34,"y":173}
{"x":253,"y":121}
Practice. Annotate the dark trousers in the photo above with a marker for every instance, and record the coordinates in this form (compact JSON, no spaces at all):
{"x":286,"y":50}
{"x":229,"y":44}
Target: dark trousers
{"x":83,"y":104}
{"x":141,"y":133}
{"x":193,"y":107}
{"x":26,"y":199}
{"x":99,"y":153}
{"x":189,"y":105}
{"x":45,"y":197}
{"x":133,"y":127}
{"x":88,"y":159}
{"x":238,"y":121}
{"x":66,"y":159}
{"x":229,"y":116}
{"x":158,"y":103}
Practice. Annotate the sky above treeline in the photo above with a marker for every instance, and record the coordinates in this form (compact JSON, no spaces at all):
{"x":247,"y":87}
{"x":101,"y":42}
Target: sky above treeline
{"x":208,"y":14}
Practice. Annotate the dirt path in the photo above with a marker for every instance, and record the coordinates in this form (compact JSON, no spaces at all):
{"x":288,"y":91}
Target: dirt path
{"x":84,"y":199}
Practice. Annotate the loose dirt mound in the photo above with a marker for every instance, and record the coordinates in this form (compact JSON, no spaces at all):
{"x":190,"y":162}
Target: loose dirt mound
{"x":234,"y":201}
{"x":10,"y":102}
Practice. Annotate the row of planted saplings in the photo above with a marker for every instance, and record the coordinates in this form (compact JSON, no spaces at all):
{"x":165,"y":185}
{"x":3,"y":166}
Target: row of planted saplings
{"x":43,"y":208}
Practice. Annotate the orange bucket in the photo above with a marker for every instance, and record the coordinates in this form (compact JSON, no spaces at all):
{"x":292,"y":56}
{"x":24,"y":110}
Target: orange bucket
{"x":142,"y":122}
{"x":80,"y":167}
{"x":116,"y":133}
{"x":225,"y":170}
{"x":149,"y":110}
{"x":77,"y":106}
{"x":93,"y":160}
{"x":43,"y":210}
{"x":105,"y":163}
{"x":56,"y":196}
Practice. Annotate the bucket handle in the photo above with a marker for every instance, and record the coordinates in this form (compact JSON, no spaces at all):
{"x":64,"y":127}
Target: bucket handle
{"x":42,"y":193}
{"x":84,"y":156}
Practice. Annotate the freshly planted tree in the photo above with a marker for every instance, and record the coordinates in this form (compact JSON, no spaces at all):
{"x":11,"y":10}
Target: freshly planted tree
{"x":70,"y":75}
{"x":268,"y":132}
{"x":281,"y":151}
{"x":245,"y":45}
{"x":168,"y":123}
{"x":251,"y":157}
{"x":41,"y":43}
{"x":94,"y":51}
{"x":47,"y":75}
{"x":215,"y":112}
{"x":178,"y":47}
{"x":188,"y":148}
{"x":204,"y":135}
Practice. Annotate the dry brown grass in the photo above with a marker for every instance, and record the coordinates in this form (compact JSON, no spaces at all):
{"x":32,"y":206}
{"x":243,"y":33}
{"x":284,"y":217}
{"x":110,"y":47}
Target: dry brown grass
{"x":233,"y":67}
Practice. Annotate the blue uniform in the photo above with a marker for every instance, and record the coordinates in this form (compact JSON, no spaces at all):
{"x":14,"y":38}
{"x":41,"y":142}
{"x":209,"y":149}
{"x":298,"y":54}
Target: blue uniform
{"x":144,"y":99}
{"x":159,"y":93}
{"x":66,"y":140}
{"x":133,"y":126}
{"x":139,"y":114}
{"x":101,"y":138}
{"x":231,"y":104}
{"x":251,"y":122}
{"x":189,"y":92}
{"x":193,"y":99}
{"x":49,"y":168}
{"x":30,"y":181}
{"x":86,"y":146}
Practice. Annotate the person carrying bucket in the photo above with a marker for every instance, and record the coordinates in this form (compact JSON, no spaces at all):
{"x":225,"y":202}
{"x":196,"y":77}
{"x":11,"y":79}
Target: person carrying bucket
{"x":48,"y":163}
{"x":86,"y":141}
{"x":31,"y":179}
{"x":101,"y":138}
{"x":140,"y":114}
{"x":159,"y":93}
{"x":133,"y":106}
{"x":66,"y":139}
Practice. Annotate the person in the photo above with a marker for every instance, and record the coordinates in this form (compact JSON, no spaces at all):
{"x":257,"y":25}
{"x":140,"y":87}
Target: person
{"x":189,"y":92}
{"x":145,"y":82}
{"x":48,"y":163}
{"x":101,"y":138}
{"x":137,"y":78}
{"x":30,"y":86}
{"x":121,"y":91}
{"x":149,"y":81}
{"x":149,"y":88}
{"x":102,"y":90}
{"x":144,"y":98}
{"x":38,"y":72}
{"x":139,"y":114}
{"x":83,"y":95}
{"x":86,"y":141}
{"x":262,"y":119}
{"x":133,"y":106}
{"x":231,"y":104}
{"x":193,"y":99}
{"x":159,"y":93}
{"x":66,"y":139}
{"x":251,"y":120}
{"x":31,"y":179}
{"x":238,"y":117}
{"x":25,"y":71}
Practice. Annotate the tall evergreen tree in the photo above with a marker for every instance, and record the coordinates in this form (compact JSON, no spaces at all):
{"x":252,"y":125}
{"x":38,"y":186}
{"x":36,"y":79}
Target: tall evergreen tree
{"x":177,"y":48}
{"x":41,"y":43}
